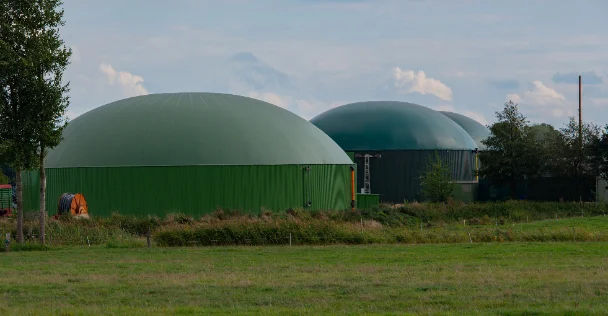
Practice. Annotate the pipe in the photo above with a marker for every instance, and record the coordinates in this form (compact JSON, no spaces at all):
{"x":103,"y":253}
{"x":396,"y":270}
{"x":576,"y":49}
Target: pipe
{"x":352,"y":188}
{"x":580,"y":112}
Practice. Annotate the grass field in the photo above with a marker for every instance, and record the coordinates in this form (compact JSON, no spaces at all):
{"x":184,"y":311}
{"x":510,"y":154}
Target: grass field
{"x":459,"y":279}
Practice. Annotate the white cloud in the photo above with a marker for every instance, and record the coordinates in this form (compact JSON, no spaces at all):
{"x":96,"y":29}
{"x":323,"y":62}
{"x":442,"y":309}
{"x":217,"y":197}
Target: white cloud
{"x":131,"y":85}
{"x":543,"y":95}
{"x":410,"y":81}
{"x":542,"y":99}
{"x":271,"y":98}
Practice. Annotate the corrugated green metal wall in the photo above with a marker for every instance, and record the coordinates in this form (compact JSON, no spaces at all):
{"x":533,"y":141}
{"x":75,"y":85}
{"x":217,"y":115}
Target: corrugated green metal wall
{"x":396,"y":175}
{"x":195,"y":190}
{"x":466,"y":191}
{"x":6,"y":198}
{"x":367,"y":201}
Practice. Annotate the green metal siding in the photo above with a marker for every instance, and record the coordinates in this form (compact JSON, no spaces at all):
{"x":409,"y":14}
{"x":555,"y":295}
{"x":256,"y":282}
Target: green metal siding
{"x":396,"y":175}
{"x":6,"y":198}
{"x":195,"y":190}
{"x":466,"y":191}
{"x":367,"y":201}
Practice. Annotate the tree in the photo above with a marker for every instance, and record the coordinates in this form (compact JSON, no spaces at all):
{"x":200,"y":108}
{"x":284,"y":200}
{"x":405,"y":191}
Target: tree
{"x":513,"y":152}
{"x":570,"y":159}
{"x":49,"y":57}
{"x":44,"y":58}
{"x":17,"y":144}
{"x":601,"y":154}
{"x":437,"y":184}
{"x":550,"y":140}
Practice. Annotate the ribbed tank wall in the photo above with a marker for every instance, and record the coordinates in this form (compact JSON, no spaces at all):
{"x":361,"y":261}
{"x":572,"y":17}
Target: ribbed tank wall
{"x":396,"y":175}
{"x":195,"y":190}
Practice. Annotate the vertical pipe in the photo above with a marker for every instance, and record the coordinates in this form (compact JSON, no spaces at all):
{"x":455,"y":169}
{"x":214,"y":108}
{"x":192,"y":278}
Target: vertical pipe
{"x":580,"y":112}
{"x":352,"y":188}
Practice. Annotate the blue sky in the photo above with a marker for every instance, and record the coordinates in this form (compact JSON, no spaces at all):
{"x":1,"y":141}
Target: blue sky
{"x":308,"y":56}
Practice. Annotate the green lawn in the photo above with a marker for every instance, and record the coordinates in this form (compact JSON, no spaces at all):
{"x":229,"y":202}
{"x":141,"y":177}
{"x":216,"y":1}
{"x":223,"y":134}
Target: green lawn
{"x":590,"y":223}
{"x":593,"y":223}
{"x":459,"y":279}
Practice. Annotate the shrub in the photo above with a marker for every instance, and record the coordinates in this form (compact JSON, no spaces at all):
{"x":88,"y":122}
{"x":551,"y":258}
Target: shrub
{"x":436,"y":184}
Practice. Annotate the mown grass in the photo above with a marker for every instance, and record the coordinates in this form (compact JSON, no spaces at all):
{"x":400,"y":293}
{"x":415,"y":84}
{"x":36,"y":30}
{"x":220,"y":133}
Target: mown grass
{"x":466,"y":279}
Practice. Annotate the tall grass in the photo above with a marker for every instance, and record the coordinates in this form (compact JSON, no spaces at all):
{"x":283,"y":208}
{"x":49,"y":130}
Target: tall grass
{"x":320,"y":232}
{"x":406,"y":223}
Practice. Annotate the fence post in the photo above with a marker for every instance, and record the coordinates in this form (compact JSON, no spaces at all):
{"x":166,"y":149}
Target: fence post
{"x":289,"y":239}
{"x":148,"y":236}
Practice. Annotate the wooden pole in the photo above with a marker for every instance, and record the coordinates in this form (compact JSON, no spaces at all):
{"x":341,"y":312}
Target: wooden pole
{"x":580,"y":112}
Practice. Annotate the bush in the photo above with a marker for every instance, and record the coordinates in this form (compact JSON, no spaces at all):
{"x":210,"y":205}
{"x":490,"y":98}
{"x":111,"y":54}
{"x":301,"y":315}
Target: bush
{"x":436,"y":184}
{"x":440,"y":222}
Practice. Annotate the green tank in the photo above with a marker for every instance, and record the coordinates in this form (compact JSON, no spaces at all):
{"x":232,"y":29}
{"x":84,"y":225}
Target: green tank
{"x":194,"y":153}
{"x":406,"y":136}
{"x":475,"y":129}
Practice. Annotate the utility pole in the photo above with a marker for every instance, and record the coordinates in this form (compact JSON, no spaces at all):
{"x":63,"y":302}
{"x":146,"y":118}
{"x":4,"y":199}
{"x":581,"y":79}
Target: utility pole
{"x":366,"y":173}
{"x":580,"y":113}
{"x":580,"y":132}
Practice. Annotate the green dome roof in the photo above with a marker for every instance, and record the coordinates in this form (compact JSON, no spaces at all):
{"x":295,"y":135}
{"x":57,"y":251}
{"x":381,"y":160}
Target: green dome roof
{"x":175,"y":129}
{"x":477,"y":131}
{"x":391,"y":125}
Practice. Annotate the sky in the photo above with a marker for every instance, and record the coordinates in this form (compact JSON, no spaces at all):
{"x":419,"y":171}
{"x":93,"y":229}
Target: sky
{"x":309,"y":56}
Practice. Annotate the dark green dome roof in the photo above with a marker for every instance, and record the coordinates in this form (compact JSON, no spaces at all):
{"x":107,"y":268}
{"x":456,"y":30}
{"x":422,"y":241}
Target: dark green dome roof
{"x":391,"y":125}
{"x":477,"y":131}
{"x":175,"y":129}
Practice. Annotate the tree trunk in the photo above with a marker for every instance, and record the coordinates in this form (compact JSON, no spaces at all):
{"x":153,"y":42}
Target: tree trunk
{"x":42,"y":196}
{"x":19,"y":194}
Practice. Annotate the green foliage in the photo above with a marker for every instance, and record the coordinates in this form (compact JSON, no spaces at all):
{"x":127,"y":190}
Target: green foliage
{"x":17,"y":140}
{"x":601,"y":154}
{"x":138,"y":226}
{"x":564,"y":153}
{"x":436,"y":184}
{"x":33,"y":101}
{"x":4,"y":179}
{"x":407,"y":223}
{"x":319,"y":232}
{"x":513,"y":150}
